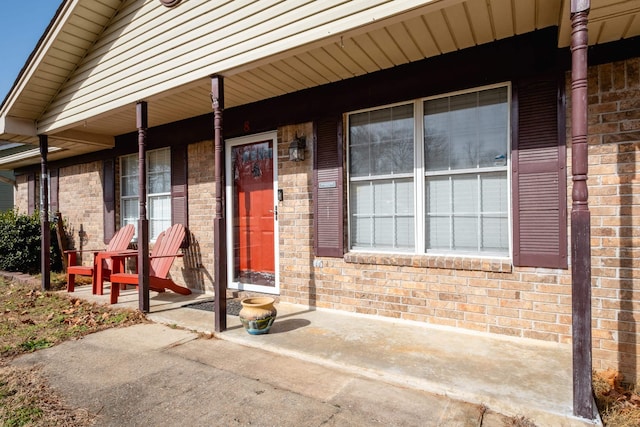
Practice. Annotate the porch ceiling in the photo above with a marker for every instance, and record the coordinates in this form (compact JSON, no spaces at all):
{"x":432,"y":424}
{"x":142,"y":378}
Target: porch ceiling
{"x":436,"y":28}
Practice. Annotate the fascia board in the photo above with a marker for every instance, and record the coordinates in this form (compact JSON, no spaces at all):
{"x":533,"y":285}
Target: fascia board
{"x":62,"y":16}
{"x":13,"y":125}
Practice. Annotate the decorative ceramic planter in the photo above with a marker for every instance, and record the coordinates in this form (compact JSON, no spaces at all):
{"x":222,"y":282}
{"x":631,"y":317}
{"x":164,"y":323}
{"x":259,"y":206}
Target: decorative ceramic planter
{"x":257,"y":314}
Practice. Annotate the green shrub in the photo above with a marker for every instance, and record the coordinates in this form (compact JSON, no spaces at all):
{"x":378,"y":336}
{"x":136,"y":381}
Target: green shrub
{"x":20,"y":243}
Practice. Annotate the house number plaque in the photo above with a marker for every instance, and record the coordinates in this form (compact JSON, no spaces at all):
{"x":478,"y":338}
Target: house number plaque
{"x":327,"y":184}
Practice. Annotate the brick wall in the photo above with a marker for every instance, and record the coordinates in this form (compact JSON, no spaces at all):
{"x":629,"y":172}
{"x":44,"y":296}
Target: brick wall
{"x":614,"y":200}
{"x":196,"y":268}
{"x":295,"y":217}
{"x":80,"y":203}
{"x":21,"y":195}
{"x":490,"y":295}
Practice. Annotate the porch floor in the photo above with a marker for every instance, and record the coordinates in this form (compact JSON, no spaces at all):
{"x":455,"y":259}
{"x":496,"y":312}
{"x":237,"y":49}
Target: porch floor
{"x":512,"y":376}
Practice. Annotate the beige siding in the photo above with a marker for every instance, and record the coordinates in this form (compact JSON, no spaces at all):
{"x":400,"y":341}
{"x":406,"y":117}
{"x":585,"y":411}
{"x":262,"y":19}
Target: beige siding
{"x":148,"y":48}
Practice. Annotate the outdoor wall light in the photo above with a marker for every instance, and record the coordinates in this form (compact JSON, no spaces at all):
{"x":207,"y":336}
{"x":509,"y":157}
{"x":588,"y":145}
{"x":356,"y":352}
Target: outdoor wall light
{"x":296,"y":148}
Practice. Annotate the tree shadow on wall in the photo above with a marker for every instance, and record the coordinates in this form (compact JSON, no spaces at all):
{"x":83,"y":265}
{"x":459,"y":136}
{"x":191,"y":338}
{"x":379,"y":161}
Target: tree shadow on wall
{"x":628,"y":273}
{"x":194,"y":273}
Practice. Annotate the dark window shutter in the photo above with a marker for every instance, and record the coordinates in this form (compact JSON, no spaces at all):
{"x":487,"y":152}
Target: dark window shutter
{"x":539,"y":174}
{"x":327,"y":191}
{"x":109,"y":198}
{"x":53,"y":185}
{"x":179,"y":205}
{"x":31,"y":194}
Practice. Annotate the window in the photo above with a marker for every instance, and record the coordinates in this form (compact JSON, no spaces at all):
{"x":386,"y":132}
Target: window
{"x":381,"y":153}
{"x":158,"y":191}
{"x":459,"y":145}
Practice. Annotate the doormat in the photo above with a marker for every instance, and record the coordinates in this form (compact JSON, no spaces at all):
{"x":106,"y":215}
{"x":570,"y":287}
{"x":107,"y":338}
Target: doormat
{"x":233,"y":306}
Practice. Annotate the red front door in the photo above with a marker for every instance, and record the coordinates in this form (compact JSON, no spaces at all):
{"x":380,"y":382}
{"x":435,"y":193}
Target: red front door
{"x":253,"y":213}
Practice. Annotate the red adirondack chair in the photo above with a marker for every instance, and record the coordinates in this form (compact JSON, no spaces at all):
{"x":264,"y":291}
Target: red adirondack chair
{"x":118,"y":242}
{"x":163,"y":254}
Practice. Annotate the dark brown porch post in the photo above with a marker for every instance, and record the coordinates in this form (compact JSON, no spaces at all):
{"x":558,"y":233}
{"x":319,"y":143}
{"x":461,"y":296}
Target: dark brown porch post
{"x":219,"y":229}
{"x":580,"y":216}
{"x":143,"y":222}
{"x":45,"y":232}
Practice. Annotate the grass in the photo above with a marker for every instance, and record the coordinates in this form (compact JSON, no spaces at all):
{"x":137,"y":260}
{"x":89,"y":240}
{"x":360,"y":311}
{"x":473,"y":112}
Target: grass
{"x":30,"y":320}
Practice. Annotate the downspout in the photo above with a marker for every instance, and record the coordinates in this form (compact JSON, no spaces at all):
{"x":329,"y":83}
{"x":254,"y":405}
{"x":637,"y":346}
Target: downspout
{"x":45,"y":230}
{"x":219,"y":228}
{"x":143,"y":222}
{"x":583,"y":400}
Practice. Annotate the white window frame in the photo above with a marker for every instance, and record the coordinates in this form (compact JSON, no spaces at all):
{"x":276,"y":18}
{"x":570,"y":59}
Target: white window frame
{"x":150,"y":196}
{"x":373,"y":178}
{"x":420,"y":175}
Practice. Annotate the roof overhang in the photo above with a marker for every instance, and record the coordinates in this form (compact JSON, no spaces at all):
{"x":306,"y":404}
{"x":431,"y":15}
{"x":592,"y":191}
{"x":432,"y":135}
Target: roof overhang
{"x":13,"y":125}
{"x":425,"y":29}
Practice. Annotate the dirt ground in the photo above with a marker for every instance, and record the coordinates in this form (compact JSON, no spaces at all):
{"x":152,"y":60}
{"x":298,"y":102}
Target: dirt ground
{"x":31,"y":320}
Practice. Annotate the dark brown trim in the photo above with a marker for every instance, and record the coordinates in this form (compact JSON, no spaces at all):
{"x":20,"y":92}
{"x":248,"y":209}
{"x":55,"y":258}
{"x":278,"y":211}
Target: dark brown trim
{"x":31,"y":193}
{"x":328,"y":192}
{"x":562,"y":172}
{"x":539,"y":173}
{"x":125,"y":145}
{"x":219,"y":221}
{"x":613,"y":51}
{"x":45,"y":230}
{"x":583,"y":403}
{"x":179,"y":190}
{"x":54,"y":186}
{"x":143,"y":223}
{"x":109,"y":198}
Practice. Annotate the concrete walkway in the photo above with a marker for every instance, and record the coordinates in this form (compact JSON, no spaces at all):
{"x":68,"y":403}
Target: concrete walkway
{"x":514,"y":377}
{"x":153,"y":375}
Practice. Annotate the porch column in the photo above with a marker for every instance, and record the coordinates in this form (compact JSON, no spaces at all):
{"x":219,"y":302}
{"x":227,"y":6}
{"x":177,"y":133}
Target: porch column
{"x":45,"y":232}
{"x":219,"y":228}
{"x":580,"y":216}
{"x":143,"y":222}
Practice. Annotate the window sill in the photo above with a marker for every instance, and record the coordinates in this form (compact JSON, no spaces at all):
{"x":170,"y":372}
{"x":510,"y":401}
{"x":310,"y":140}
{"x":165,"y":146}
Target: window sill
{"x":494,"y":265}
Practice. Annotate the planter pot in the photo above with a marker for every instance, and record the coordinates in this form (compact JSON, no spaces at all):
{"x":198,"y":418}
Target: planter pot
{"x":257,"y":314}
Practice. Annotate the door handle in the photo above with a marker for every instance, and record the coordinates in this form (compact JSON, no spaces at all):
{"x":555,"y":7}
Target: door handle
{"x":275,"y":212}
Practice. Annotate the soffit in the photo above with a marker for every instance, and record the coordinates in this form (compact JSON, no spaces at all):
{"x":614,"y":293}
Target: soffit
{"x":76,"y":26}
{"x":436,"y":29}
{"x":73,"y":31}
{"x":439,"y":27}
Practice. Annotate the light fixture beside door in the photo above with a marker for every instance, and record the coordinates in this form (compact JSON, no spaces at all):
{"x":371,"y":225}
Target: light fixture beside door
{"x":297,"y":147}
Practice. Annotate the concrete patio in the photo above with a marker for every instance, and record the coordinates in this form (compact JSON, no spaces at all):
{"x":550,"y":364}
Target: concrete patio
{"x":516,"y":377}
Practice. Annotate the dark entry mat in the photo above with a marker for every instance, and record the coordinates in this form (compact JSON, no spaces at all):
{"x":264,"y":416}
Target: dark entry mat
{"x":233,"y":306}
